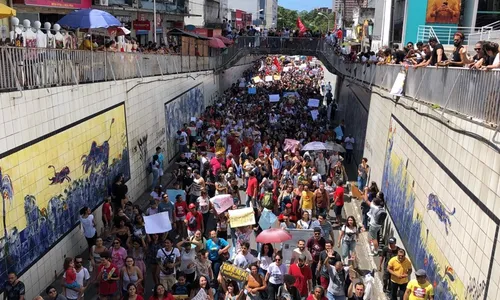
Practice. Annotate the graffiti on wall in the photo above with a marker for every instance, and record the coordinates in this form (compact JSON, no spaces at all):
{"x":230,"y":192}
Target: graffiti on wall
{"x":179,"y":111}
{"x":475,"y":289}
{"x":398,"y":186}
{"x":45,"y":183}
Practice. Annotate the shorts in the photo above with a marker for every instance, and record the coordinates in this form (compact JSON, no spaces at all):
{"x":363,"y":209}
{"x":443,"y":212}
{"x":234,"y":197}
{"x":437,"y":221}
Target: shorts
{"x":338,"y":210}
{"x":179,"y":219}
{"x":167,"y":281}
{"x":373,"y":230}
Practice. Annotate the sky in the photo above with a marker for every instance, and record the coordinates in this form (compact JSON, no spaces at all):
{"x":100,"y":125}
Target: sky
{"x":304,"y":4}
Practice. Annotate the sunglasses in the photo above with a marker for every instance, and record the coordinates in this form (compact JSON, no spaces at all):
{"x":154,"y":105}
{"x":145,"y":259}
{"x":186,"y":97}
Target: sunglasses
{"x":477,"y":49}
{"x":278,"y":259}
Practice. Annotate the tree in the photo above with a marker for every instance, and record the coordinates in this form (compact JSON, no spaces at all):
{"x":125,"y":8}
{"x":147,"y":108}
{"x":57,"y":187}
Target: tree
{"x":311,"y":19}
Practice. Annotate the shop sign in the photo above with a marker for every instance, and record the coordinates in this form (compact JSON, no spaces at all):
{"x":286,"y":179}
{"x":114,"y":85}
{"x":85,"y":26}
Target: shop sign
{"x":141,"y":25}
{"x":59,"y":3}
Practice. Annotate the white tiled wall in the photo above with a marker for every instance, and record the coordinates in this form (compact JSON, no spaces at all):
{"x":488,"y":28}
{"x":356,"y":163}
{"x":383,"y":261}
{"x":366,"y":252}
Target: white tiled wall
{"x":39,"y":112}
{"x":468,"y":246}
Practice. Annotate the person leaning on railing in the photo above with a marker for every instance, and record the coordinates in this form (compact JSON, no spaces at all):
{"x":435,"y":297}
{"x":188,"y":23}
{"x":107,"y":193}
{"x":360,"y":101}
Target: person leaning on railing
{"x":492,"y":51}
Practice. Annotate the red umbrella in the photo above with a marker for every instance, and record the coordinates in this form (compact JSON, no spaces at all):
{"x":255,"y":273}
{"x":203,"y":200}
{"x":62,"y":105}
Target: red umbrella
{"x":273,"y":235}
{"x":216,"y":43}
{"x":224,"y":39}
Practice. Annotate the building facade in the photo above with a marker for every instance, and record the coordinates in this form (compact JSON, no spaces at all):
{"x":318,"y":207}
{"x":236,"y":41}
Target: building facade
{"x":344,"y":8}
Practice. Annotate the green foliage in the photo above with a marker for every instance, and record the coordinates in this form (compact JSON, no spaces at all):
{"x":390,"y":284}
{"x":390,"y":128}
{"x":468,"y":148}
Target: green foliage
{"x":311,"y":19}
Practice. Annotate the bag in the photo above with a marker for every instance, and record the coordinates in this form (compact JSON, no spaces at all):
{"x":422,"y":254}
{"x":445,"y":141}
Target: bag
{"x":192,"y":223}
{"x":149,"y":168}
{"x":169,"y":259}
{"x":267,"y":200}
{"x":380,"y":216}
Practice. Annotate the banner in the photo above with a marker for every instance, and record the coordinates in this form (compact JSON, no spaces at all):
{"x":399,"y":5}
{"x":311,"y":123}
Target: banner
{"x":399,"y":84}
{"x":313,"y":102}
{"x":252,"y":90}
{"x":274,"y":98}
{"x":256,"y":79}
{"x":293,"y":94}
{"x":269,"y":78}
{"x":290,"y":144}
{"x":231,"y":271}
{"x":314,"y":114}
{"x":288,"y":246}
{"x":241,"y":217}
{"x":173,"y":193}
{"x":63,"y":4}
{"x":157,"y":223}
{"x":447,"y":12}
{"x":222,"y":203}
{"x":277,"y":77}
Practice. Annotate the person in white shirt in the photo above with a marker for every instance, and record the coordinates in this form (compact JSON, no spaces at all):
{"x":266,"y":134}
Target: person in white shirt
{"x":244,"y":258}
{"x":82,"y":277}
{"x":349,"y":147}
{"x":168,"y":259}
{"x":275,"y":276}
{"x":301,"y":249}
{"x":88,"y":226}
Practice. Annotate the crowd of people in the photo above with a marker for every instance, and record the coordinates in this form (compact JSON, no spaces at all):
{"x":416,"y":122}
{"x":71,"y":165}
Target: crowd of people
{"x":249,"y":145}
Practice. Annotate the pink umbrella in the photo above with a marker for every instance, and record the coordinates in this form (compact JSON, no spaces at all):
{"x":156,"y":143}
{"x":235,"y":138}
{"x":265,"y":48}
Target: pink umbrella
{"x":224,"y":39}
{"x":216,"y":43}
{"x":273,"y":235}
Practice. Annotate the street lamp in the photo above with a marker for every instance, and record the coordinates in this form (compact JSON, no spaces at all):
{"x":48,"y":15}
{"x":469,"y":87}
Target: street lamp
{"x":328,"y":22}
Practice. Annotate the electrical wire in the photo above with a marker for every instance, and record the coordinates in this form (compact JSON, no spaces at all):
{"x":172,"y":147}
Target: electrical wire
{"x":435,"y":118}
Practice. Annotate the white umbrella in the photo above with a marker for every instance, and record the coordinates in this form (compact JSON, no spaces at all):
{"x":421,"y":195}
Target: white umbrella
{"x":314,"y":146}
{"x":334,"y":147}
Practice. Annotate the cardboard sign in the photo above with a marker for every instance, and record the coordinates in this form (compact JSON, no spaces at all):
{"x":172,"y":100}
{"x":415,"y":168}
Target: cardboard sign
{"x":269,"y":78}
{"x":313,"y":102}
{"x":252,"y":90}
{"x":274,"y":98}
{"x":256,"y":79}
{"x":277,"y":77}
{"x":222,"y":203}
{"x":157,"y":223}
{"x":202,"y":295}
{"x":241,"y":217}
{"x":173,"y":193}
{"x":399,"y":84}
{"x":356,"y":193}
{"x":286,"y":69}
{"x":233,"y":272}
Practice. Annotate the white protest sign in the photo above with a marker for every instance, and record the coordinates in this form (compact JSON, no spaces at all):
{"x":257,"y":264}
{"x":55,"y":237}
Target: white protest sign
{"x":274,"y":98}
{"x":398,"y":86}
{"x":314,"y":114}
{"x":222,"y":203}
{"x":269,"y":78}
{"x":313,"y":102}
{"x":241,"y":217}
{"x":188,"y":154}
{"x":202,"y":295}
{"x":193,"y":119}
{"x":157,"y":223}
{"x":286,"y":69}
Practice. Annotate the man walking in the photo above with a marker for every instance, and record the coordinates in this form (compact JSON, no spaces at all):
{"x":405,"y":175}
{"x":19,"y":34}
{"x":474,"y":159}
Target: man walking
{"x":400,"y":269}
{"x":420,"y":288}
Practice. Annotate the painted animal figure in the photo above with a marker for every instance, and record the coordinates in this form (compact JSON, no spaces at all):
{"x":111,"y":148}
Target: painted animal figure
{"x":7,"y":192}
{"x":441,"y":210}
{"x":98,"y":155}
{"x":60,"y":176}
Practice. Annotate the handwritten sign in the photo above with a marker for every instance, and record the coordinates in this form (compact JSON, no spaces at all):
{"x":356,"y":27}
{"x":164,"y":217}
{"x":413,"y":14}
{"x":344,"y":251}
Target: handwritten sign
{"x":286,"y":69}
{"x":252,"y":90}
{"x":313,"y":102}
{"x":222,"y":203}
{"x":274,"y":98}
{"x":230,"y":271}
{"x":202,"y":295}
{"x":256,"y":79}
{"x":241,"y":217}
{"x":269,"y":78}
{"x":277,"y":77}
{"x":157,"y":223}
{"x":173,"y":193}
{"x":314,"y":114}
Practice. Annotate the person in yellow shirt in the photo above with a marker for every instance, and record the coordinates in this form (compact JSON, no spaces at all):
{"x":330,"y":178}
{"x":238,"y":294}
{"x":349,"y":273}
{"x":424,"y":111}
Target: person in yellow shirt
{"x":420,"y":288}
{"x":306,"y":200}
{"x":400,"y":269}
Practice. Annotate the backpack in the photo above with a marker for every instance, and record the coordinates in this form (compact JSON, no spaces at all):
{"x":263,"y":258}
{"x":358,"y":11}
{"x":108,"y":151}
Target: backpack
{"x":380,"y":216}
{"x":192,"y":223}
{"x":267,"y":200}
{"x":149,"y":168}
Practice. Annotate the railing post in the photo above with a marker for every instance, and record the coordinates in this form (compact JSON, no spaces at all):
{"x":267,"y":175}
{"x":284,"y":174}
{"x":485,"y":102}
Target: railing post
{"x":159,"y":66}
{"x":12,"y":67}
{"x":72,"y":70}
{"x":112,"y":70}
{"x":449,"y":95}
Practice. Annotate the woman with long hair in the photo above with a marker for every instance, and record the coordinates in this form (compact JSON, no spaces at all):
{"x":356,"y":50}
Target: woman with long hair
{"x":132,"y":293}
{"x":88,"y":225}
{"x":159,"y":293}
{"x":95,"y":253}
{"x":256,"y":283}
{"x":265,"y":257}
{"x":131,"y":274}
{"x":154,"y":244}
{"x":347,"y":239}
{"x":305,"y":222}
{"x":202,"y":284}
{"x":136,"y":249}
{"x":118,"y":253}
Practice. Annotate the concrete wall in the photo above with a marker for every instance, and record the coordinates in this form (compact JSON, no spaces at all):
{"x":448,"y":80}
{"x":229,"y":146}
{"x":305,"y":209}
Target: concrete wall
{"x":442,"y":191}
{"x":57,"y":126}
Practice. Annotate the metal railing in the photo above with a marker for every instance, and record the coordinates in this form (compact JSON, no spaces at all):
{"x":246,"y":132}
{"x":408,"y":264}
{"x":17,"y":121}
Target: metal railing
{"x":490,"y":32}
{"x":444,"y":34}
{"x":469,"y":92}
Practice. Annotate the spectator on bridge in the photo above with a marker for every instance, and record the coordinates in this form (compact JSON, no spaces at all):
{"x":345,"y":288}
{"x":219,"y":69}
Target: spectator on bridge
{"x":479,"y":58}
{"x":426,"y":57}
{"x":459,"y":56}
{"x":492,"y":51}
{"x":438,"y":57}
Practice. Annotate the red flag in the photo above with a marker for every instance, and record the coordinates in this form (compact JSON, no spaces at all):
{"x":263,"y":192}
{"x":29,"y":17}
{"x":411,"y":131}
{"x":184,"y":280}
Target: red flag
{"x":302,"y":28}
{"x":277,"y":64}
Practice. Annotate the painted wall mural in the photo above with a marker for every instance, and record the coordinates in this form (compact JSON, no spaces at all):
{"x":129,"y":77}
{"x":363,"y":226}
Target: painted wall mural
{"x":44,"y":184}
{"x":398,"y":187}
{"x":178,"y":111}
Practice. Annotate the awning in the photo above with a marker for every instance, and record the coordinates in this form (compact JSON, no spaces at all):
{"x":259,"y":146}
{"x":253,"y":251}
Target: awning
{"x":224,"y":39}
{"x":177,"y":31}
{"x":6,"y":11}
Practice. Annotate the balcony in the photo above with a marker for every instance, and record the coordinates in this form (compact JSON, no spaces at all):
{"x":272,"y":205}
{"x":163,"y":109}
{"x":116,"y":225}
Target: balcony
{"x":474,"y":94}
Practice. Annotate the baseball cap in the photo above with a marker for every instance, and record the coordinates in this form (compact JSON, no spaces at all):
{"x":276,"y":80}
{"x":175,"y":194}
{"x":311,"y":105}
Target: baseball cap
{"x":421,"y":272}
{"x":392,"y":240}
{"x":192,"y":205}
{"x":302,"y":257}
{"x":317,"y":229}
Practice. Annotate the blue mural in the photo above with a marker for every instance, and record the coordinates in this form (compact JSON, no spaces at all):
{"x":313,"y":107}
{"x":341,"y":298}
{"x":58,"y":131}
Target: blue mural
{"x":179,"y":111}
{"x":48,"y":221}
{"x":400,"y":200}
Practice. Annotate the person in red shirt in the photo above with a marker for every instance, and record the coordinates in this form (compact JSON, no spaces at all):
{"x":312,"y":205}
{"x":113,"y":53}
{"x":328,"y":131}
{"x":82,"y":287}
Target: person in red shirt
{"x":302,"y":274}
{"x":338,"y":198}
{"x":180,"y":211}
{"x":108,"y":277}
{"x":252,"y":187}
{"x":194,"y":220}
{"x":106,"y":214}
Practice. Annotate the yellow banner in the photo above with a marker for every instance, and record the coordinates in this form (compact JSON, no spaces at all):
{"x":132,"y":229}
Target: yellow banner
{"x":277,"y":77}
{"x":241,"y":217}
{"x":233,"y":272}
{"x":256,"y":79}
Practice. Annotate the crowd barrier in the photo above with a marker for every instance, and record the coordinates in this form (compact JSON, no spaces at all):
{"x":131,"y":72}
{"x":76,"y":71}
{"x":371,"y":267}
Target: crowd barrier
{"x":473,"y":93}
